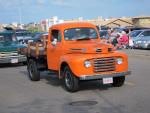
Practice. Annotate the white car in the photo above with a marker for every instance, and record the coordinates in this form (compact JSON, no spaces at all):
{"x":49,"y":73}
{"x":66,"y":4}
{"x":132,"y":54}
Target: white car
{"x":138,"y":34}
{"x":143,"y":42}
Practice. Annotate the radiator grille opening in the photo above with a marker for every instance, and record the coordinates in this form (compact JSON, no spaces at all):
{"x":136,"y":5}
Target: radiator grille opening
{"x":104,"y":64}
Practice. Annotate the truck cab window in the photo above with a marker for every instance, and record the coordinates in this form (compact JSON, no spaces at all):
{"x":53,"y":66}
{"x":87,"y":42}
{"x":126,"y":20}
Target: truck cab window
{"x":56,"y":35}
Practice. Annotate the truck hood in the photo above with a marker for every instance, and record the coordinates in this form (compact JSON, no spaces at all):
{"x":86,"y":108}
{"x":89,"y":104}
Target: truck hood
{"x":9,"y":47}
{"x":89,"y":47}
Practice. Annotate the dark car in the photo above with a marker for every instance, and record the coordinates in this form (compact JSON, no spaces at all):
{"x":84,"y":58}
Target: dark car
{"x":23,"y":35}
{"x":38,"y":37}
{"x":103,"y":34}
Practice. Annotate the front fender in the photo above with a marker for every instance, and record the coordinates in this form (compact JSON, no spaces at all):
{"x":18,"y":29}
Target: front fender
{"x":76,"y":63}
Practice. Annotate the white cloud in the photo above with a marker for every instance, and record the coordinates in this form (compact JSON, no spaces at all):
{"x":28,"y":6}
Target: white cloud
{"x":41,"y":1}
{"x":60,"y":2}
{"x":19,"y":3}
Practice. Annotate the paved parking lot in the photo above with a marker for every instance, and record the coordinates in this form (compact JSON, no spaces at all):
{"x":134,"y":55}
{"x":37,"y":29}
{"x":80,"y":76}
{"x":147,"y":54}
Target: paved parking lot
{"x":19,"y":95}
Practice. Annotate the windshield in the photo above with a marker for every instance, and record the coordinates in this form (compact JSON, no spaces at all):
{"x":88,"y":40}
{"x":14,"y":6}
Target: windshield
{"x":135,"y":33}
{"x":24,"y":35}
{"x":7,"y":37}
{"x":80,"y":33}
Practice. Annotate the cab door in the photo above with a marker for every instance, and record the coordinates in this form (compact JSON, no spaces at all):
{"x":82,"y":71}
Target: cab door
{"x":54,"y":50}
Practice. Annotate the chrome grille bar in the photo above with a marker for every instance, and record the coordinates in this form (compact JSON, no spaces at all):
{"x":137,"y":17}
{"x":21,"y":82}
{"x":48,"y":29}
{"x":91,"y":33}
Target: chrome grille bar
{"x":104,"y":64}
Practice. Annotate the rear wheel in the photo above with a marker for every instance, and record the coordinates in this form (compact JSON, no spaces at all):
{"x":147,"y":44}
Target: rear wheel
{"x":71,"y":82}
{"x":118,"y":81}
{"x":34,"y":73}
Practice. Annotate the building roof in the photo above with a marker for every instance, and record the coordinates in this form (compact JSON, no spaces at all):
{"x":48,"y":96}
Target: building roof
{"x":120,"y":22}
{"x":141,"y":17}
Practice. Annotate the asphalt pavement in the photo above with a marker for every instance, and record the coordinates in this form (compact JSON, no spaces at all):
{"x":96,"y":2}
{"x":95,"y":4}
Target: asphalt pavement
{"x":19,"y":95}
{"x":137,"y":52}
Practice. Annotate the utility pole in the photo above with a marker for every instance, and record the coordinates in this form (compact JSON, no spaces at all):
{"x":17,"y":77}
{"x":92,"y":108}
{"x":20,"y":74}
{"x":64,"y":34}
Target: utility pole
{"x":20,"y":12}
{"x":20,"y":15}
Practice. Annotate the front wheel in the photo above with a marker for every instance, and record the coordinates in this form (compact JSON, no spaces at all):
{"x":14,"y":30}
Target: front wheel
{"x":71,"y":82}
{"x":118,"y":81}
{"x":33,"y":72}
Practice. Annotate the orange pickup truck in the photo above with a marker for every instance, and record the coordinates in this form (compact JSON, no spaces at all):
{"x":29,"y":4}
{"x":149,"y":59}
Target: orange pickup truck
{"x":75,"y":52}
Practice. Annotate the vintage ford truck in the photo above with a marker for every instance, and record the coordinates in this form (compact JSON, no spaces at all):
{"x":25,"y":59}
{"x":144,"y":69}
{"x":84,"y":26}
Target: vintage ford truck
{"x":8,"y":48}
{"x":75,"y":52}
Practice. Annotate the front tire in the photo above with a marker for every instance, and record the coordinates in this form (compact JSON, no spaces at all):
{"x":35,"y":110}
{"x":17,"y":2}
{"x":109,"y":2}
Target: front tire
{"x":118,"y":81}
{"x":33,"y":72}
{"x":71,"y":82}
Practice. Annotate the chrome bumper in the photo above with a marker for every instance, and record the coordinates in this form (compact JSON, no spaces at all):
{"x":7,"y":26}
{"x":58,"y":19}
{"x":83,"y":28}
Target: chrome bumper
{"x":5,"y":60}
{"x":100,"y":76}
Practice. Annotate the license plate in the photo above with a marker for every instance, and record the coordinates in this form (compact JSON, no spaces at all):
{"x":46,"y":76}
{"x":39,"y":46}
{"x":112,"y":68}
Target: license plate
{"x":107,"y":80}
{"x":14,"y":61}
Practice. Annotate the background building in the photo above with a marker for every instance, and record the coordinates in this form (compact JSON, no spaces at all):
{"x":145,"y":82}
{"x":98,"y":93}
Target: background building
{"x":141,"y":21}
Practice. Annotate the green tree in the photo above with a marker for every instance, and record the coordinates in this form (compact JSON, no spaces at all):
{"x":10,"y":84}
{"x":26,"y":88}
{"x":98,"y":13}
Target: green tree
{"x":34,"y":29}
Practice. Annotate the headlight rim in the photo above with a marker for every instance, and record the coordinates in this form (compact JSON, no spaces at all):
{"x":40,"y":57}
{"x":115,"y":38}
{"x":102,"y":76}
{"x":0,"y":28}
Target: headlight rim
{"x":87,"y":63}
{"x":119,"y":60}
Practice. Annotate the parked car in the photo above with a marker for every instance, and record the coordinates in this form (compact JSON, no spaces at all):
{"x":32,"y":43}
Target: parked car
{"x":38,"y":37}
{"x":103,"y":34}
{"x":8,"y":48}
{"x":143,"y":42}
{"x":23,"y":35}
{"x":137,"y":34}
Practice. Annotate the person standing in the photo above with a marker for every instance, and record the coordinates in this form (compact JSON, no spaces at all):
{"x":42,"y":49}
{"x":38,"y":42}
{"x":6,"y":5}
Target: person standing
{"x":123,"y":42}
{"x":131,"y":44}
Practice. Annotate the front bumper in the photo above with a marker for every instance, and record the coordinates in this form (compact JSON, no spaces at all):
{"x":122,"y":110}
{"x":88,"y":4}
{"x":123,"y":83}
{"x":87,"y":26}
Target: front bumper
{"x":16,"y":59}
{"x":142,"y":45}
{"x":100,"y":76}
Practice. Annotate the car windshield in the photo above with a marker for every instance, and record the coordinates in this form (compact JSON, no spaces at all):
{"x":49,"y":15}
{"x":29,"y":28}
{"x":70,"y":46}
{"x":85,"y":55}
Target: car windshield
{"x":80,"y":34}
{"x":135,"y":33}
{"x":7,"y":37}
{"x":24,"y":35}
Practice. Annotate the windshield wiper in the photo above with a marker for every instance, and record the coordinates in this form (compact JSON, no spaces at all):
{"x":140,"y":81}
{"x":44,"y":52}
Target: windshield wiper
{"x":83,"y":38}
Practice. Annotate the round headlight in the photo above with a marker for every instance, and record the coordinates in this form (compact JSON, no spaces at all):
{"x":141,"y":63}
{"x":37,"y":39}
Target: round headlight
{"x":87,"y":64}
{"x":119,"y":60}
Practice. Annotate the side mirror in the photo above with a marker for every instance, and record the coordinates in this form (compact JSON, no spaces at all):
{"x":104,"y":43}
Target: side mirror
{"x":54,"y":42}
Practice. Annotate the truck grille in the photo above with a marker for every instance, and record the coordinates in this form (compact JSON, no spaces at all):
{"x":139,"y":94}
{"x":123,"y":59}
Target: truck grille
{"x":104,"y":64}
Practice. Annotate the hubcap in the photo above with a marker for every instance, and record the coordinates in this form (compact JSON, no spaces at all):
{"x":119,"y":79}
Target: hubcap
{"x":31,"y":70}
{"x":68,"y":79}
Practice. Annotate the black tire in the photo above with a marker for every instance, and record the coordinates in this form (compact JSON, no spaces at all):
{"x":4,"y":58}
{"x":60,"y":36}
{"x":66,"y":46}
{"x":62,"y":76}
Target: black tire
{"x":33,"y":72}
{"x":118,"y":81}
{"x":24,"y":63}
{"x":71,"y":82}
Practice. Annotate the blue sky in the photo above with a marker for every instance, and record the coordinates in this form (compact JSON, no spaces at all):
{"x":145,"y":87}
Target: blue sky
{"x":36,"y":10}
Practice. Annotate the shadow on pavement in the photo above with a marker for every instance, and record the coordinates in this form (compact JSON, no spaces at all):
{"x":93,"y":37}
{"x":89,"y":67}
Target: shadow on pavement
{"x":11,"y":65}
{"x":52,"y":79}
{"x":93,"y":85}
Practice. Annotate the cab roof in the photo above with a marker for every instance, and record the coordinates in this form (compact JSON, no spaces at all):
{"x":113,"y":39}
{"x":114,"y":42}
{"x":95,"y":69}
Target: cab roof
{"x":73,"y":25}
